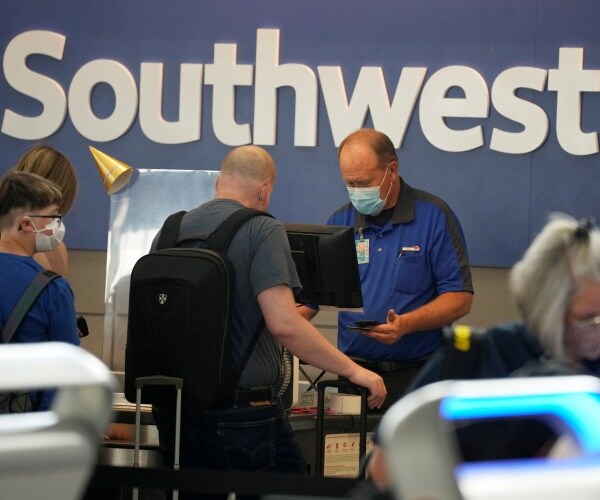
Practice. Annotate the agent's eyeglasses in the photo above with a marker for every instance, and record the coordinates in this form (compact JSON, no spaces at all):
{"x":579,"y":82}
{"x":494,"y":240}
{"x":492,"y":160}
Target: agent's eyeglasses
{"x":57,"y":218}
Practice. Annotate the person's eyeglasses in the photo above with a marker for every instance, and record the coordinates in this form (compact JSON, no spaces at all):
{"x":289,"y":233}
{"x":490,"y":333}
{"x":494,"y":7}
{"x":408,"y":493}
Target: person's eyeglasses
{"x":593,"y":322}
{"x":57,"y":218}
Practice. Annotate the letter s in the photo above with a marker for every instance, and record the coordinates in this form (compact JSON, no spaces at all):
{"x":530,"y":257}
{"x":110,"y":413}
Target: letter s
{"x":34,"y":85}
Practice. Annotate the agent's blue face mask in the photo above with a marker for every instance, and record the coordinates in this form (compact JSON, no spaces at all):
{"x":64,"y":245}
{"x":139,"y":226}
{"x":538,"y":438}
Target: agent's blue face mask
{"x":367,"y":200}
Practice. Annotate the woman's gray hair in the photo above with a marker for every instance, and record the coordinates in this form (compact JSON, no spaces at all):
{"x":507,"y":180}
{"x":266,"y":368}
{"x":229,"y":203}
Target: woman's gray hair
{"x":545,"y":280}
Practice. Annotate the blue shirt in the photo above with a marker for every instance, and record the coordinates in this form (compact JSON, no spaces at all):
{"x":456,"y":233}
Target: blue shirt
{"x":52,"y":316}
{"x":419,"y":254}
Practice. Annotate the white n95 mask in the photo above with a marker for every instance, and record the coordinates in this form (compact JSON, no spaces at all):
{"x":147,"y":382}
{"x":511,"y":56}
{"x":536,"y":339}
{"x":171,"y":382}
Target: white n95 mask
{"x":45,"y":243}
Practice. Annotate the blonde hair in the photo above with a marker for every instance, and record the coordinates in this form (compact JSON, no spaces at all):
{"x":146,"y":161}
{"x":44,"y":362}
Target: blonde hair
{"x":545,"y":280}
{"x":51,"y":164}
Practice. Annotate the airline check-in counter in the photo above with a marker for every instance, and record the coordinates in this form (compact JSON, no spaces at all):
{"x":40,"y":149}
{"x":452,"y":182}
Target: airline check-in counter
{"x":337,"y":455}
{"x":137,"y":214}
{"x":420,"y":444}
{"x":421,"y":428}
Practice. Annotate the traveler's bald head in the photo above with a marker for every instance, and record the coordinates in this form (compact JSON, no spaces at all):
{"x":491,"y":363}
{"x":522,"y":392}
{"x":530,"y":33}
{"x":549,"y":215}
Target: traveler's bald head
{"x":252,"y":163}
{"x":247,"y":175}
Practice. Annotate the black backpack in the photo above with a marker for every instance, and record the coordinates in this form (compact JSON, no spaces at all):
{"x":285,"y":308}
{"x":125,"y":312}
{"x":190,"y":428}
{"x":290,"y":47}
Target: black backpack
{"x":180,"y":317}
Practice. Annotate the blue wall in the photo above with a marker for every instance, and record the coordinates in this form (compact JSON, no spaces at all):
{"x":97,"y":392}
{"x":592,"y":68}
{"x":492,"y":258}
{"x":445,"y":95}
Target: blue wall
{"x":501,"y":199}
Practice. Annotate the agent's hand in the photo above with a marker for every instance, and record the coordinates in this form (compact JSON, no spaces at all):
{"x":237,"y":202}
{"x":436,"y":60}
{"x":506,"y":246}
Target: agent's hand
{"x":373,"y":383}
{"x":389,"y":332}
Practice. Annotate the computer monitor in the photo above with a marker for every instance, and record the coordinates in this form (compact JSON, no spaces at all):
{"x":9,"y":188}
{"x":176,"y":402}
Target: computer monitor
{"x":325,"y":257}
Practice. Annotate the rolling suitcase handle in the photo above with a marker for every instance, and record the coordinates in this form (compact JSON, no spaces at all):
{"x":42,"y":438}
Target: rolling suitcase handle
{"x":156,"y":380}
{"x":362,"y":449}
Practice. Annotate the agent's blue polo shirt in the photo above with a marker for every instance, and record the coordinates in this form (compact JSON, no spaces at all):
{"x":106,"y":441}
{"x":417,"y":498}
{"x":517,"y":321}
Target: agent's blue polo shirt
{"x":419,"y":254}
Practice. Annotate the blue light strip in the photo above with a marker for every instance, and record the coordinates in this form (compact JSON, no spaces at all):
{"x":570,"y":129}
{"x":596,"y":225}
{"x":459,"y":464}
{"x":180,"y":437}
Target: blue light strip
{"x":514,"y":468}
{"x":580,"y":411}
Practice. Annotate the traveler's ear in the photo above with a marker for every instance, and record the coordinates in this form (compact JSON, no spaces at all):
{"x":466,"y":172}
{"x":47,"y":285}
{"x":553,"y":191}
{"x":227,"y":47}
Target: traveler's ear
{"x":26,"y":224}
{"x":267,"y":196}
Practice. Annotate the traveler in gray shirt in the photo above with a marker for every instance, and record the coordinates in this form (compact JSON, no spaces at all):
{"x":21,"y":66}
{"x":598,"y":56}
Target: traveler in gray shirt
{"x":255,"y":435}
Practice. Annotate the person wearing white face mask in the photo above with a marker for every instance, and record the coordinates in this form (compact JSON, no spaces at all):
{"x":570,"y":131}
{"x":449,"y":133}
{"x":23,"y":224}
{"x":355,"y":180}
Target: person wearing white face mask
{"x":30,"y":222}
{"x":48,"y":162}
{"x":413,"y":263}
{"x":45,"y":242}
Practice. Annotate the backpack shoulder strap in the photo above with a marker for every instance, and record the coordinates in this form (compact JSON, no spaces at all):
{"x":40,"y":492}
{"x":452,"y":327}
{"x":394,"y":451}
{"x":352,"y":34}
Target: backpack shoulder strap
{"x":219,"y":240}
{"x":240,"y":369}
{"x":169,"y":233}
{"x":25,"y":302}
{"x":221,"y":237}
{"x":463,"y":347}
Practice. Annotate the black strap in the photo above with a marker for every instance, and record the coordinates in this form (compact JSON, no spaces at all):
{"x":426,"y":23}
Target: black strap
{"x":219,"y":241}
{"x":240,"y":369}
{"x":169,"y":234}
{"x":463,"y":352}
{"x":31,"y":293}
{"x":220,"y":238}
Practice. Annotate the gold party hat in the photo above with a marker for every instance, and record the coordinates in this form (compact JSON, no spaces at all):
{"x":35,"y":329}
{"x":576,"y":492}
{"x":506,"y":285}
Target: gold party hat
{"x":114,"y":173}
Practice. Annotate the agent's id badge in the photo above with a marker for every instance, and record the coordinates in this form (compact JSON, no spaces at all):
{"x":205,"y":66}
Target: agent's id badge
{"x":362,"y":251}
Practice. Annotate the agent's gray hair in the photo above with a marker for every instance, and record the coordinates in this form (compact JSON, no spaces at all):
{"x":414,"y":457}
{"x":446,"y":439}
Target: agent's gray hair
{"x":545,"y":280}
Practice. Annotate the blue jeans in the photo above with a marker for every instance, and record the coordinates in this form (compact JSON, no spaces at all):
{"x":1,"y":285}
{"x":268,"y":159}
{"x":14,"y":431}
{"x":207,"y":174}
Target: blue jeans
{"x":246,"y":438}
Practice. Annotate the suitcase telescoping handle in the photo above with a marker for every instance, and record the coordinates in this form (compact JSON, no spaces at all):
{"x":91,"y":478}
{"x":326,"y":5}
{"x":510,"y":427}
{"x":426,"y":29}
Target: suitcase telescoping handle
{"x":362,"y":449}
{"x":140,"y":382}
